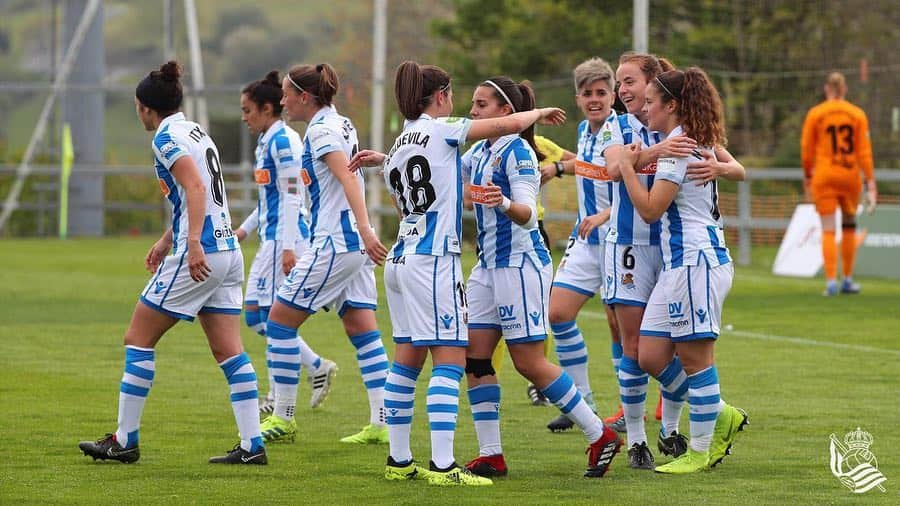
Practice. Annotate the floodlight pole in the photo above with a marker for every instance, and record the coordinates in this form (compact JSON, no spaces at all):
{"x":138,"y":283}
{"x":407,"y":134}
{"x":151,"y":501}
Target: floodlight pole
{"x":376,"y":137}
{"x":640,"y":26}
{"x":193,"y":31}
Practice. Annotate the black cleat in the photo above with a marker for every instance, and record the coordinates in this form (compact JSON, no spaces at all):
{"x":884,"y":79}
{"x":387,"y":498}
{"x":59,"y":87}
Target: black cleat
{"x":107,"y":448}
{"x":536,"y":397}
{"x":674,"y":445}
{"x":560,"y":423}
{"x":639,"y":457}
{"x":238,"y":455}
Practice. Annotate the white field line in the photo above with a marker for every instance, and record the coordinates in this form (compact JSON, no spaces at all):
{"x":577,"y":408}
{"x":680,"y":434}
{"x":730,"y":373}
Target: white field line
{"x":785,"y":339}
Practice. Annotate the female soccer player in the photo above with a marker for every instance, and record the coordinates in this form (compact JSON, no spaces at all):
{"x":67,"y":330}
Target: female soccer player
{"x":338,"y":269}
{"x":202,"y":277}
{"x":686,"y":304}
{"x":425,"y":289}
{"x":282,"y":227}
{"x":509,"y":287}
{"x":633,"y":259}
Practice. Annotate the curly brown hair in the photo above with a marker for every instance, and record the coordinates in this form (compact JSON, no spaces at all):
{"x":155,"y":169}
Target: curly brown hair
{"x":699,"y":107}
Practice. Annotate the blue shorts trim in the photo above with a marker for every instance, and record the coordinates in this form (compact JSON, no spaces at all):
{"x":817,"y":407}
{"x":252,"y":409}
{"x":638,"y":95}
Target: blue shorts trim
{"x":694,"y":337}
{"x":173,"y":314}
{"x":487,"y":326}
{"x":527,"y":339}
{"x":221,"y":310}
{"x":567,"y":286}
{"x":436,"y":342}
{"x":291,"y":305}
{"x":625,"y":302}
{"x":349,"y":304}
{"x":655,"y":333}
{"x":402,"y":339}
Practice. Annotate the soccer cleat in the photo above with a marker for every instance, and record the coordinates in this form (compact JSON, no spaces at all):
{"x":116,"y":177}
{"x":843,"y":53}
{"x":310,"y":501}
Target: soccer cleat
{"x":238,"y":455}
{"x":730,"y":421}
{"x":601,"y":452}
{"x":455,"y":476}
{"x":266,"y":407}
{"x":690,"y":462}
{"x":618,"y":424}
{"x":831,"y":289}
{"x":277,"y":429}
{"x":639,"y":456}
{"x":370,"y":434}
{"x":108,"y":448}
{"x":560,"y":423}
{"x":609,"y":420}
{"x":409,"y":471}
{"x":537,"y":398}
{"x":674,"y":445}
{"x":320,"y":381}
{"x":849,"y":287}
{"x":659,"y":407}
{"x":488,"y":466}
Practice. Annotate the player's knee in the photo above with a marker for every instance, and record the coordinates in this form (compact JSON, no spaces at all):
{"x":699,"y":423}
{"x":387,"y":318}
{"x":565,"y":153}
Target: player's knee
{"x":558,"y":315}
{"x":479,"y":367}
{"x":650,"y":364}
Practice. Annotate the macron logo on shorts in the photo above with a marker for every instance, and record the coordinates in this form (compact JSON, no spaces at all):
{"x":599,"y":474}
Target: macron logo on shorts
{"x":446,"y":319}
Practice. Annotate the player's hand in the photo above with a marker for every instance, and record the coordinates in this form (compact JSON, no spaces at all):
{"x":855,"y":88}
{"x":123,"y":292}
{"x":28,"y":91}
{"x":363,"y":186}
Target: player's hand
{"x":591,"y":222}
{"x":552,"y":116}
{"x":872,"y":196}
{"x":631,"y":153}
{"x":376,"y":251}
{"x":548,"y":172}
{"x":807,"y":191}
{"x":288,"y":261}
{"x":157,"y":252}
{"x":366,"y":158}
{"x":679,"y":146}
{"x":492,"y":196}
{"x":706,"y":170}
{"x":199,"y":269}
{"x":241,"y":234}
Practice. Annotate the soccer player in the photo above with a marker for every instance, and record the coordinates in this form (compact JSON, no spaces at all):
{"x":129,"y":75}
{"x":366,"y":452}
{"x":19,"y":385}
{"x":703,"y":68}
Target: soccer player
{"x":425,"y":290}
{"x":579,"y":275}
{"x":685,"y":305}
{"x":509,"y":287}
{"x":201,"y":278}
{"x":282,"y":225}
{"x":835,"y":149}
{"x":338,"y":269}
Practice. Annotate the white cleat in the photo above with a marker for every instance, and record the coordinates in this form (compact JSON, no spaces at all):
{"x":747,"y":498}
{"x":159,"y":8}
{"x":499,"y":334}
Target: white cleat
{"x":320,"y":380}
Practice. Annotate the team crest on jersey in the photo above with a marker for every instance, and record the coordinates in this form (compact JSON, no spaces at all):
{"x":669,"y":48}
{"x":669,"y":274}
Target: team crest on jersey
{"x":607,"y":136}
{"x":262,"y":176}
{"x":628,"y":280}
{"x":497,"y":161}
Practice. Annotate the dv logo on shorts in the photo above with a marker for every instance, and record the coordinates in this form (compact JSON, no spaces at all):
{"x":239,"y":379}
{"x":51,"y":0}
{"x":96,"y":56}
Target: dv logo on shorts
{"x":675,"y":310}
{"x":701,"y":315}
{"x":446,"y":319}
{"x":854,"y":464}
{"x":160,"y":285}
{"x":261,"y":284}
{"x":506,"y":313}
{"x":535,"y":317}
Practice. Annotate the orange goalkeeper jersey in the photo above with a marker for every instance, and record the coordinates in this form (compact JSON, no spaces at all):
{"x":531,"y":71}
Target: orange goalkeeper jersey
{"x":835,"y":142}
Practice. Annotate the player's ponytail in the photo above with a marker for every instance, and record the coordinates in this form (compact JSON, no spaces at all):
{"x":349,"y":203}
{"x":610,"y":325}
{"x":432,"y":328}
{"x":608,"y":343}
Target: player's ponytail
{"x":414,"y":86}
{"x":320,"y":81}
{"x":699,"y":107}
{"x":328,"y":83}
{"x":266,"y":91}
{"x":161,"y":89}
{"x":527,"y":103}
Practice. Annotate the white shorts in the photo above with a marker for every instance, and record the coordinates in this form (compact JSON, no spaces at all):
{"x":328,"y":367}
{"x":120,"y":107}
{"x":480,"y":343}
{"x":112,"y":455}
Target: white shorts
{"x":171,"y":290}
{"x":323,"y":278}
{"x":581,"y":268}
{"x":687,"y":302}
{"x":265,"y":272}
{"x":512,"y":300}
{"x":631,"y":273}
{"x":427,"y":300}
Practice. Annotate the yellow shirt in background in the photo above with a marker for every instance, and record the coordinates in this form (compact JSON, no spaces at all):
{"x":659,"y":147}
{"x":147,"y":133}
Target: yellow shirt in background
{"x":552,"y":154}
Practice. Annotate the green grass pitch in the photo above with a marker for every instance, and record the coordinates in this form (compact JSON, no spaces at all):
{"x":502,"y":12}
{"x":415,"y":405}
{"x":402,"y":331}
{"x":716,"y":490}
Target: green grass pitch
{"x":803,"y":366}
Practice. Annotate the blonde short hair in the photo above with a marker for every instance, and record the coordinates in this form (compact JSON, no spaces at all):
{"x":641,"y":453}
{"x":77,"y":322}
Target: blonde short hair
{"x":592,"y":70}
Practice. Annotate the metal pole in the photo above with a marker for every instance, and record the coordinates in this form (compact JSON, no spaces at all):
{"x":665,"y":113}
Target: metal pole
{"x":168,"y":31}
{"x":640,"y":25}
{"x":745,"y":236}
{"x":193,"y":32}
{"x":376,"y":140}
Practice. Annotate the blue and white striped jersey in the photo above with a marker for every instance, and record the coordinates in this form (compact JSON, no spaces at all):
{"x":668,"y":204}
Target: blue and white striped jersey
{"x":177,"y":137}
{"x":277,"y":172}
{"x":331,"y":218}
{"x":625,"y":224}
{"x":422,"y":170}
{"x":501,"y":241}
{"x":593,"y":182}
{"x":691,"y":226}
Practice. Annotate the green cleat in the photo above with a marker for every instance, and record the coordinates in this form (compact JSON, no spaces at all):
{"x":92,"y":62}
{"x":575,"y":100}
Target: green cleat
{"x":455,"y":476}
{"x":370,"y":434}
{"x":731,"y":420}
{"x":411,"y":471}
{"x":277,"y":429}
{"x":690,"y":462}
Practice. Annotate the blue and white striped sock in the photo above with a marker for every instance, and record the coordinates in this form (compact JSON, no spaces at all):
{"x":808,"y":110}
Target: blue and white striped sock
{"x":485,"y":403}
{"x":443,"y":408}
{"x":633,"y":393}
{"x":283,"y":360}
{"x":563,"y":394}
{"x":137,"y":379}
{"x":674,"y":384}
{"x":373,"y":365}
{"x":399,"y":398}
{"x":572,"y":354}
{"x":616,"y":350}
{"x":242,"y":383}
{"x":705,"y":404}
{"x":254,"y":318}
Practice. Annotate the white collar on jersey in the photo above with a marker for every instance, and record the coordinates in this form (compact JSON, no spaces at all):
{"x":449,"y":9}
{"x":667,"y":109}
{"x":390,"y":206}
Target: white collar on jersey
{"x":265,"y":137}
{"x":321,"y":113}
{"x":178,"y":116}
{"x":501,"y":143}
